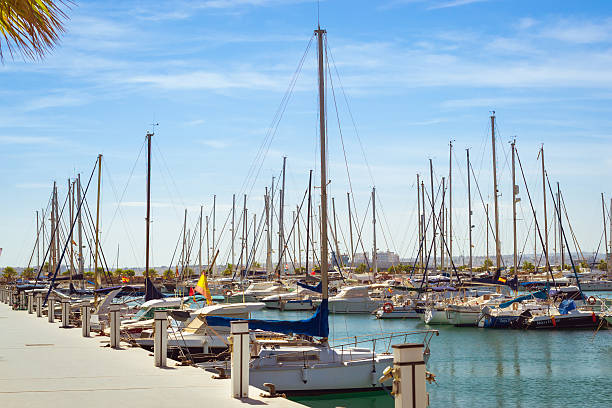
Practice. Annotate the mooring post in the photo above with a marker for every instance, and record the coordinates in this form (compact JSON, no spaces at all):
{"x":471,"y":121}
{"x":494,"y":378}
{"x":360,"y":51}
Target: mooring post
{"x":51,"y":309}
{"x":65,"y":313}
{"x":409,"y":380}
{"x":85,"y":318}
{"x":115,"y":326}
{"x":160,"y":342}
{"x":241,"y":356}
{"x":30,"y":302}
{"x":22,"y":300}
{"x":10,"y":297}
{"x":39,"y":302}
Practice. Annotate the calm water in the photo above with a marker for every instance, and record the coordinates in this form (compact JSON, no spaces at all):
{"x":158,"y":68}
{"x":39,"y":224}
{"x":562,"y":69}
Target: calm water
{"x":491,"y":368}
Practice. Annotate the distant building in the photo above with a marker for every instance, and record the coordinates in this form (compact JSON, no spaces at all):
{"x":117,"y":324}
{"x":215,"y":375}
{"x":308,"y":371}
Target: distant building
{"x":384,"y":260}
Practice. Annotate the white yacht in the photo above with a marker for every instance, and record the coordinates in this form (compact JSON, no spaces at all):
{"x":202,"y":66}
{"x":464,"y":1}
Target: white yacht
{"x":468,"y":312}
{"x":354,"y":299}
{"x":301,"y":299}
{"x":257,"y":291}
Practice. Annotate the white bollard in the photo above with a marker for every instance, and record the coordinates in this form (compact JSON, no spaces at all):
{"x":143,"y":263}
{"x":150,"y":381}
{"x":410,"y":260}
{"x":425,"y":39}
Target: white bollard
{"x":30,"y":303}
{"x":115,"y":326}
{"x":85,"y":318}
{"x":241,"y":357}
{"x":22,"y":300}
{"x":65,"y":313}
{"x":39,"y":302}
{"x":160,"y":341}
{"x":51,"y":309}
{"x":409,"y":383}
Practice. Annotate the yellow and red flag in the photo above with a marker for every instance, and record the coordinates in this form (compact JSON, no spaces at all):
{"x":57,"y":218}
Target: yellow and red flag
{"x":502,"y":280}
{"x":202,"y":288}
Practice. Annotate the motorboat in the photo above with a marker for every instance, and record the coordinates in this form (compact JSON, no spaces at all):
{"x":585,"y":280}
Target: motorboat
{"x":354,"y":299}
{"x":256,"y":291}
{"x":399,"y":307}
{"x":468,"y":312}
{"x":298,"y":300}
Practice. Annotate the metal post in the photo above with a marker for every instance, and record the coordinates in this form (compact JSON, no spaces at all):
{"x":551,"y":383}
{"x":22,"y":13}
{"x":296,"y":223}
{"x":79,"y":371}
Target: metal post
{"x":22,"y":300}
{"x":30,"y":303}
{"x":240,"y":358}
{"x":51,"y":309}
{"x":65,"y":313}
{"x":39,"y":299}
{"x":115,"y":326}
{"x":160,"y":341}
{"x":409,"y":381}
{"x":85,"y":318}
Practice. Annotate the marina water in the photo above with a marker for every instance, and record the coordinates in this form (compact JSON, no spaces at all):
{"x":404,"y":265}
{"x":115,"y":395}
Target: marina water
{"x":487,"y":367}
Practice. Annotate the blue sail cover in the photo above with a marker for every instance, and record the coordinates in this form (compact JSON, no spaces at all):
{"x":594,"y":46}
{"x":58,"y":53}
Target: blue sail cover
{"x":541,"y":294}
{"x":566,"y":306}
{"x":318,"y":288}
{"x":316,"y":326}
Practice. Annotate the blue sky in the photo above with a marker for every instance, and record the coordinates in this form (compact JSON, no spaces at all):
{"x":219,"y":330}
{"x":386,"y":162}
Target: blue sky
{"x":416,"y":74}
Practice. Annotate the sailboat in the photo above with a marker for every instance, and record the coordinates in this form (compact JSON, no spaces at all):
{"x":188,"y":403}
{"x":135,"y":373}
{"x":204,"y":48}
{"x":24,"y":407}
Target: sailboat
{"x":305,"y":362}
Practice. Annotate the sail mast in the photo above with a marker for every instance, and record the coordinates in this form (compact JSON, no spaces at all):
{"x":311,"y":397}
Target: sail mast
{"x":348,"y":199}
{"x":450,"y":203}
{"x":545,"y":215}
{"x":234,"y":224}
{"x":514,"y":200}
{"x":374,"y":249}
{"x":148,"y":220}
{"x":268,"y":234}
{"x":469,"y":191}
{"x":200,"y":246}
{"x":433,"y":216}
{"x":281,"y":219}
{"x":561,"y":246}
{"x":80,"y":233}
{"x":324,"y":265}
{"x":495,"y":190}
{"x":97,"y":279}
{"x":419,"y":220}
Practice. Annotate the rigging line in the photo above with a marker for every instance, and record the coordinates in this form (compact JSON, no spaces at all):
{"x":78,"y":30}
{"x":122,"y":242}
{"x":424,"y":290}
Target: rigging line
{"x":596,"y":252}
{"x":89,"y":217}
{"x":527,"y":239}
{"x":536,"y":227}
{"x":272,"y":130}
{"x":577,"y":245}
{"x":126,"y":185}
{"x":562,"y":232}
{"x":384,"y":216}
{"x":360,"y":230}
{"x":118,"y":210}
{"x":78,"y":211}
{"x":165,"y":167}
{"x":348,"y":107}
{"x":52,"y":233}
{"x":489,"y":225}
{"x":36,"y":242}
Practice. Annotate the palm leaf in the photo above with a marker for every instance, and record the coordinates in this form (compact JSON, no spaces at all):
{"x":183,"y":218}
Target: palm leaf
{"x":30,"y":28}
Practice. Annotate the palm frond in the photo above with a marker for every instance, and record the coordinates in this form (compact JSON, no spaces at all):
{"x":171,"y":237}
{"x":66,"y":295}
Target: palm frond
{"x":30,"y":28}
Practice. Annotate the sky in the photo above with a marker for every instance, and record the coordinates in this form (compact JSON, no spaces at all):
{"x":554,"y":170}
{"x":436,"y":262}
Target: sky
{"x":407,"y":78}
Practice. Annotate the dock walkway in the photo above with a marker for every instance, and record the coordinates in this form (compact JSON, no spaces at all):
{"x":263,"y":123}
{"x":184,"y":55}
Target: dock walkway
{"x":44,"y":365}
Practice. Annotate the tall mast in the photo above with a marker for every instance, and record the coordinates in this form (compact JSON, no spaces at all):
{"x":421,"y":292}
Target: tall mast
{"x":97,"y":279}
{"x":207,"y":241}
{"x":80,"y":232}
{"x":495,"y":191}
{"x":148,"y":220}
{"x":487,"y":229}
{"x":419,"y":220}
{"x":423,"y":223}
{"x":53,"y":222}
{"x":185,"y":259}
{"x":442,"y":231}
{"x":294,"y":242}
{"x":352,"y":254}
{"x":268,"y":234}
{"x":234,"y":224}
{"x":470,"y":226}
{"x":605,"y":226}
{"x":450,"y":203}
{"x":214,"y":222}
{"x":374,"y":249}
{"x":515,"y":189}
{"x":38,"y":239}
{"x":609,"y":260}
{"x":200,"y":247}
{"x":561,"y":246}
{"x":299,"y":236}
{"x":338,"y":258}
{"x":324,"y":264}
{"x":281,"y":216}
{"x":308,"y":220}
{"x":71,"y":213}
{"x":244,"y":237}
{"x":433,"y":215}
{"x":545,"y":216}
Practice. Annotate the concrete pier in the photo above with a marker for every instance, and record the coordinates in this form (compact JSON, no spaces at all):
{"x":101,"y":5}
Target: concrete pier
{"x":41,"y":364}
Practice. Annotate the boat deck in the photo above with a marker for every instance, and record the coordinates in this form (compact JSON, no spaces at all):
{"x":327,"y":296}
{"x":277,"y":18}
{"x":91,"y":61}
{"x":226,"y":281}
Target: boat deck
{"x":40,"y":363}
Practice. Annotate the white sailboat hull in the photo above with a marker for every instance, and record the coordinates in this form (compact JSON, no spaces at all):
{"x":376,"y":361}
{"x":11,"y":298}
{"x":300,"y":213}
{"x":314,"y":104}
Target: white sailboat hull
{"x":435,"y":316}
{"x":354,"y":305}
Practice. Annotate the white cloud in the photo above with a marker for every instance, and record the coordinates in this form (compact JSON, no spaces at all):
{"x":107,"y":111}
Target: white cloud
{"x":579,"y":32}
{"x":215,"y":143}
{"x":454,"y":3}
{"x":27,"y":140}
{"x":195,"y":122}
{"x":197,"y":80}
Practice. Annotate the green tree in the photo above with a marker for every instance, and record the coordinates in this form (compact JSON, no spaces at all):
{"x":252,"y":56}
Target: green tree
{"x":117,"y":273}
{"x":88,"y":274}
{"x":129,"y":272}
{"x":28,"y":273}
{"x":487,"y":263}
{"x":229,"y":270}
{"x":152,"y":273}
{"x":361,"y":268}
{"x":168,"y":274}
{"x":9,"y":274}
{"x":528,"y":266}
{"x":584,"y":265}
{"x":602,"y":265}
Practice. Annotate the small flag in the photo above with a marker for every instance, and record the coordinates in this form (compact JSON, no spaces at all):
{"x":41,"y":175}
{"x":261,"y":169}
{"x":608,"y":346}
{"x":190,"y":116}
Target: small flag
{"x":73,"y":243}
{"x":125,"y":279}
{"x":313,"y":273}
{"x":502,"y":280}
{"x":202,"y":288}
